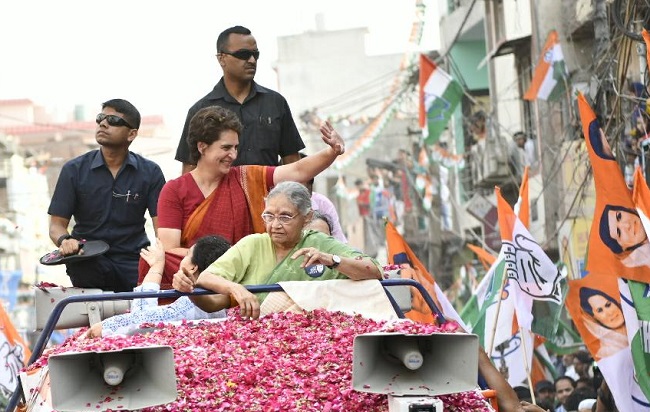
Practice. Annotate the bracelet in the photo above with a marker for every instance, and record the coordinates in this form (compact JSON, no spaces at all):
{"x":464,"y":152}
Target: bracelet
{"x":155,"y":272}
{"x":62,"y":238}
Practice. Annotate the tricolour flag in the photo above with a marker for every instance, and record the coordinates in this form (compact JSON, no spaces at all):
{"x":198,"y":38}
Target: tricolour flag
{"x":439,"y":96}
{"x":601,"y":304}
{"x":399,"y":253}
{"x":550,"y":74}
{"x":14,"y":352}
{"x":535,"y":281}
{"x":599,"y":307}
{"x":638,"y":321}
{"x":516,"y":282}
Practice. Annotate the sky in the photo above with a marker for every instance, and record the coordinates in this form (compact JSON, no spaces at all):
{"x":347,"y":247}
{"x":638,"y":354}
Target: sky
{"x":160,"y":54}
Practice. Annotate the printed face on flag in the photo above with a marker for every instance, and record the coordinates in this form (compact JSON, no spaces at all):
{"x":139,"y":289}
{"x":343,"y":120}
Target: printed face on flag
{"x":595,"y":306}
{"x":618,"y":244}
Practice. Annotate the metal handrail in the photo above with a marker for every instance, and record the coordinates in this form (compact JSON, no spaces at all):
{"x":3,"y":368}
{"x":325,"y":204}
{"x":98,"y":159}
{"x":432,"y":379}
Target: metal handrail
{"x":50,"y":325}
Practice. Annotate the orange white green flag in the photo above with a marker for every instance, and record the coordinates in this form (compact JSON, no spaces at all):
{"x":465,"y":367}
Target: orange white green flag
{"x":533,"y":278}
{"x":522,"y":283}
{"x":597,"y":305}
{"x":523,"y":279}
{"x":637,"y":318}
{"x":439,"y":96}
{"x":601,"y":304}
{"x":550,"y":77}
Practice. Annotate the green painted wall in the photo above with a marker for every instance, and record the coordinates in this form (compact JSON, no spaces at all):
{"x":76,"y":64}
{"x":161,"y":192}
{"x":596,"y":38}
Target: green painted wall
{"x":467,"y":55}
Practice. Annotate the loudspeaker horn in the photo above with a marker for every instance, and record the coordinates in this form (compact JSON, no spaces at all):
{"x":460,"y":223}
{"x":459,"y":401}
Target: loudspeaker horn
{"x":415,"y":365}
{"x":130,"y":378}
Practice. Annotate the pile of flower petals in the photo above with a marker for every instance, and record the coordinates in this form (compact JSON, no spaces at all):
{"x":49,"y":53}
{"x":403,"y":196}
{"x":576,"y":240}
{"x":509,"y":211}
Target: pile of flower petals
{"x":281,"y":362}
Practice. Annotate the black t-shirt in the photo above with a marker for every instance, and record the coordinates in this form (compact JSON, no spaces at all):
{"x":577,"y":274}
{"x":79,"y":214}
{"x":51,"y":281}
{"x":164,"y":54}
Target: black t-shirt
{"x":269,"y":130}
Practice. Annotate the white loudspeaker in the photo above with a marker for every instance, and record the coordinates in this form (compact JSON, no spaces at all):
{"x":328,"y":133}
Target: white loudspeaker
{"x":131,"y":378}
{"x":415,"y":365}
{"x":75,"y":315}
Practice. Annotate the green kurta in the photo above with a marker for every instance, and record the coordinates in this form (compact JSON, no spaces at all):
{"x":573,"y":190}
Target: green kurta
{"x":251,"y":261}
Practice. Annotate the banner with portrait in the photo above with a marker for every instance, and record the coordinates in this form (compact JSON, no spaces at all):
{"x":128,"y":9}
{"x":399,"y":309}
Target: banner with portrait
{"x":618,"y":245}
{"x":595,"y":306}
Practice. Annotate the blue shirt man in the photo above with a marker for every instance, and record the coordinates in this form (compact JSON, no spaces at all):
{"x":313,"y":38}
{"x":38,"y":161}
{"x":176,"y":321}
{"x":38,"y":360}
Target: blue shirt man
{"x":107,"y":191}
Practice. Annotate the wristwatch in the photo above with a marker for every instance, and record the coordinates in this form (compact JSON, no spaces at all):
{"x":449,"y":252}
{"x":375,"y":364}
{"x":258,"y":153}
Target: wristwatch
{"x":62,"y":238}
{"x":336,"y":261}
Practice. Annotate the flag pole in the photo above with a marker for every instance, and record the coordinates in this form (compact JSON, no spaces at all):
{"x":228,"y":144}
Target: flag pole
{"x":526,"y":366}
{"x":496,"y":315}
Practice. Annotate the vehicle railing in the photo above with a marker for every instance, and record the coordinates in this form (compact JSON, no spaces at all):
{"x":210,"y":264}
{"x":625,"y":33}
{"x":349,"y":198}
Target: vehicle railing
{"x":50,"y":325}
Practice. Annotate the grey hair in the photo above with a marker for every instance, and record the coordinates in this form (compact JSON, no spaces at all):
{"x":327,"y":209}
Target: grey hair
{"x":297,"y":194}
{"x":318,"y":215}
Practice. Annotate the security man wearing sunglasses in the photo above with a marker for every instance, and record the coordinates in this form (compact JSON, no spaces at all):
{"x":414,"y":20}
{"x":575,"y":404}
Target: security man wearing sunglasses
{"x":269,"y":130}
{"x":108,"y":192}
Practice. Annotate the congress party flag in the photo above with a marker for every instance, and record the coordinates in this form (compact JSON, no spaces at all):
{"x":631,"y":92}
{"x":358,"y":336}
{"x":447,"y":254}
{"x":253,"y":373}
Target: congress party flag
{"x":618,"y":244}
{"x":597,"y":305}
{"x":549,"y":79}
{"x":618,"y":248}
{"x":638,"y":319}
{"x":14,"y":352}
{"x":399,"y":253}
{"x":485,"y":316}
{"x":439,"y":96}
{"x":589,"y":299}
{"x":524,"y":279}
{"x":535,"y":281}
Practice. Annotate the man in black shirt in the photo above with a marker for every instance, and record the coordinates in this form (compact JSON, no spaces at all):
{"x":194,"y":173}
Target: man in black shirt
{"x":269,"y":130}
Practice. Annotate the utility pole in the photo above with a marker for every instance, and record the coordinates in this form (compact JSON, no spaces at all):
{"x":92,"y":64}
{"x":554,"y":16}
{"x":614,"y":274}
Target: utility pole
{"x":549,"y":135}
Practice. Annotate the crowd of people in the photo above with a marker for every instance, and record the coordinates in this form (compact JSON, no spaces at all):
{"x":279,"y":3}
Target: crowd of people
{"x":244,"y":184}
{"x":578,"y":387}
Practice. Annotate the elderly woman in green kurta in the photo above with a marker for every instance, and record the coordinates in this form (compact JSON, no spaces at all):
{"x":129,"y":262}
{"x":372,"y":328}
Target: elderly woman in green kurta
{"x":288,"y":251}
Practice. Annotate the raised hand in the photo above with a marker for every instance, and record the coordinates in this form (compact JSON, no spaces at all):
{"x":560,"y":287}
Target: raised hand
{"x":154,"y":254}
{"x":332,"y":138}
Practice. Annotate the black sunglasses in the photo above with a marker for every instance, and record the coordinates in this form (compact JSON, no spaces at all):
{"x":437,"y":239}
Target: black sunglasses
{"x":243,"y":54}
{"x":112,"y":120}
